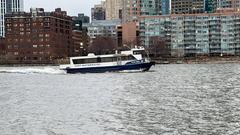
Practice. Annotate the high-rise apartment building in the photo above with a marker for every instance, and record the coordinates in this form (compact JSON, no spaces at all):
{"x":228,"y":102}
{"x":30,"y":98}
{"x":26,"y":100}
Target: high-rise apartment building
{"x":8,"y":6}
{"x":195,"y":34}
{"x":131,"y":9}
{"x":224,"y":3}
{"x":229,"y":4}
{"x":104,"y":28}
{"x":151,"y":7}
{"x":236,"y":4}
{"x":114,"y":9}
{"x":98,"y":12}
{"x":211,"y":6}
{"x":187,"y":6}
{"x":135,"y":8}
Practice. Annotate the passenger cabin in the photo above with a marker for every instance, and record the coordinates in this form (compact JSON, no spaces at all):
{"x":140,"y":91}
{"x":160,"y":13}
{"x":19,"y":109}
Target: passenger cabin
{"x":101,"y":59}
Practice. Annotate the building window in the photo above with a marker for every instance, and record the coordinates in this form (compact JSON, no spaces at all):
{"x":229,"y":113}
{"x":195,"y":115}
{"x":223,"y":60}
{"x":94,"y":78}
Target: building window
{"x":15,"y":53}
{"x":40,"y":35}
{"x":47,"y":35}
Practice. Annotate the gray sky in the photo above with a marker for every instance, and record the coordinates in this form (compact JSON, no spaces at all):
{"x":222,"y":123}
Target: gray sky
{"x":73,"y":7}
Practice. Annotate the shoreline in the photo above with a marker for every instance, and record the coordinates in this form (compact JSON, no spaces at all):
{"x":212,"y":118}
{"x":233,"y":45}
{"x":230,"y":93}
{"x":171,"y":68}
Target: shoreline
{"x":198,"y":60}
{"x":159,"y":61}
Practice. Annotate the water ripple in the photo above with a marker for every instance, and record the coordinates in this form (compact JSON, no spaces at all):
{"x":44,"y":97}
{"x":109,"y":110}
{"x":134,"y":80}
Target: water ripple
{"x":171,"y":100}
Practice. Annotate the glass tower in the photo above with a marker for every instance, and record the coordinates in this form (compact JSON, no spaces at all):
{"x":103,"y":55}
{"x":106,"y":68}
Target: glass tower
{"x":166,"y":7}
{"x":8,"y":6}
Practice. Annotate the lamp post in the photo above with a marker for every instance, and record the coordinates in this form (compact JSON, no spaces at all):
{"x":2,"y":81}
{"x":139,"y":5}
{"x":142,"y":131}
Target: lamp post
{"x":81,"y":45}
{"x":81,"y":48}
{"x":147,"y":34}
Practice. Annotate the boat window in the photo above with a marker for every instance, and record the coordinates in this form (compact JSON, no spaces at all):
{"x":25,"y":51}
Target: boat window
{"x":78,"y":61}
{"x":137,"y":52}
{"x":109,"y":59}
{"x":85,"y":61}
{"x":99,"y":60}
{"x":91,"y":60}
{"x":129,"y":57}
{"x":144,"y":54}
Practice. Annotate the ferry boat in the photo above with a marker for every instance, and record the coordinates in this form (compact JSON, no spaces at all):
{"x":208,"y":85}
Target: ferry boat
{"x":135,"y":59}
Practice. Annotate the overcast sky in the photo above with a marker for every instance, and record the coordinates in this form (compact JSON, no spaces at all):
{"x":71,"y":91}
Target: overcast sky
{"x":73,"y":7}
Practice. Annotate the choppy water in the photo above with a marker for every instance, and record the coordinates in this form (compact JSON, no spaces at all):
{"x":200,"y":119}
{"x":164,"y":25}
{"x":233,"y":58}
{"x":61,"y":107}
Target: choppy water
{"x":169,"y":100}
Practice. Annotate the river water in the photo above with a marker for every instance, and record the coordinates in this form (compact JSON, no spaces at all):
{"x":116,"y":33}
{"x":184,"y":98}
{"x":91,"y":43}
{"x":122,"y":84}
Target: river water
{"x":168,"y":100}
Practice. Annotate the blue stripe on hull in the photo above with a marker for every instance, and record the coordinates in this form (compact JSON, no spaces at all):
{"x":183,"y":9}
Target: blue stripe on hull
{"x":142,"y":66}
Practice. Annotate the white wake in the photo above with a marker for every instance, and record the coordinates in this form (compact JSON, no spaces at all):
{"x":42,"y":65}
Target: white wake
{"x":32,"y":70}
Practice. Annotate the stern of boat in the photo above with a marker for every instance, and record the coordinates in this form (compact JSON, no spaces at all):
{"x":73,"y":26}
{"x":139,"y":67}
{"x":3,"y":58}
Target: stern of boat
{"x":64,"y":67}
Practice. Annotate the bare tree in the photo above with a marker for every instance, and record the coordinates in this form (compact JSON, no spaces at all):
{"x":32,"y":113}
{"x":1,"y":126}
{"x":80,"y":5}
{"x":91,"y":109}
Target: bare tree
{"x":131,"y":44}
{"x":103,"y":45}
{"x":158,"y":47}
{"x":2,"y":49}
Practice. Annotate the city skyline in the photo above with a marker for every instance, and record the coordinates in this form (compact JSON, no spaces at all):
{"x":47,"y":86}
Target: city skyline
{"x":73,"y":8}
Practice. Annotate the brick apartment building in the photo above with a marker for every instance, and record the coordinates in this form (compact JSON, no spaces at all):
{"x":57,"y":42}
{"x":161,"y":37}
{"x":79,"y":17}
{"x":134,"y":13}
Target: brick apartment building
{"x":38,"y":36}
{"x":128,"y":34}
{"x":80,"y":43}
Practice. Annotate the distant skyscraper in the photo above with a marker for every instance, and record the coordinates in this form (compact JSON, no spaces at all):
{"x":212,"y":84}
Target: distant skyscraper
{"x":7,"y":6}
{"x":166,"y":7}
{"x":151,"y":7}
{"x":211,"y":5}
{"x":98,"y":12}
{"x":79,"y":20}
{"x":132,"y":9}
{"x":114,"y":9}
{"x":187,"y":6}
